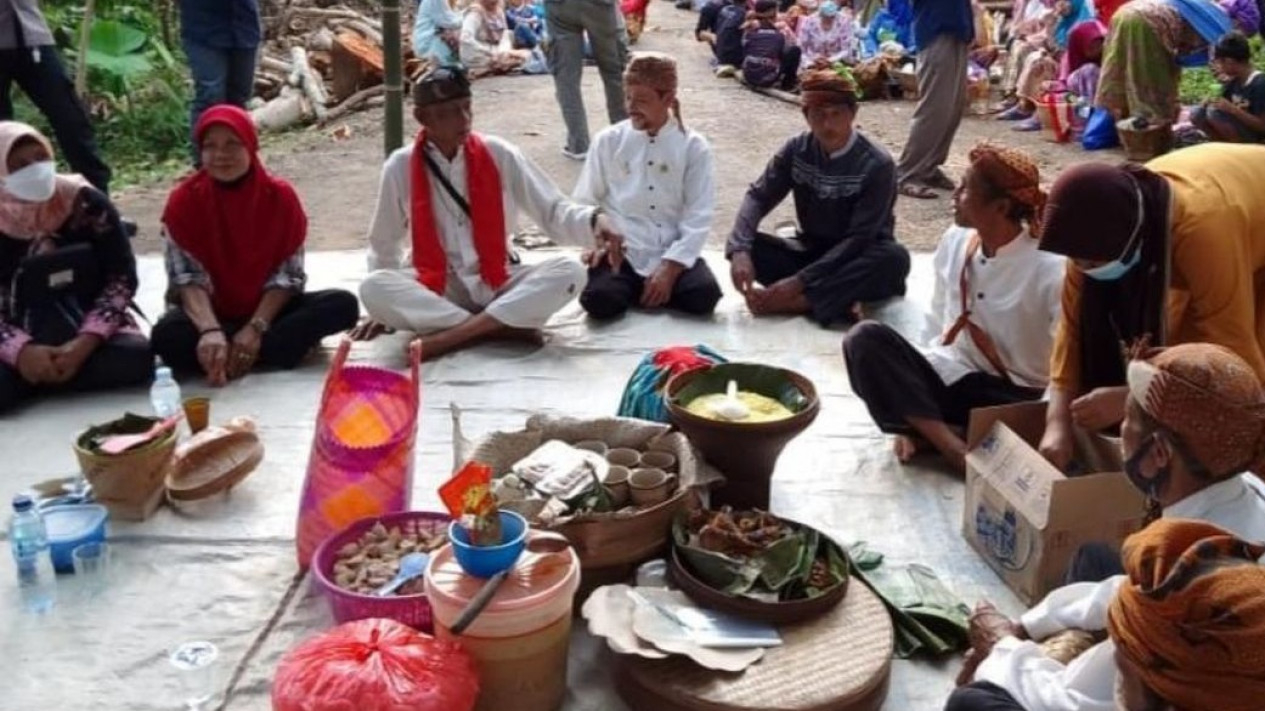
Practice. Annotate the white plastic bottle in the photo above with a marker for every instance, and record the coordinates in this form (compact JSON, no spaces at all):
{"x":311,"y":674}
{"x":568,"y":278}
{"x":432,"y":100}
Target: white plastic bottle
{"x":28,"y":540}
{"x":164,"y":394}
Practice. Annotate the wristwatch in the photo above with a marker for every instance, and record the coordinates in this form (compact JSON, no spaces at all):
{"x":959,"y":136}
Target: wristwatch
{"x":260,"y":325}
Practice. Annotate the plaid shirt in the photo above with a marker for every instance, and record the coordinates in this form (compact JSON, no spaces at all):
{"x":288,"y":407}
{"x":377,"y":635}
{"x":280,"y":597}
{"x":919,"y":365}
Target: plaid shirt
{"x":184,"y":270}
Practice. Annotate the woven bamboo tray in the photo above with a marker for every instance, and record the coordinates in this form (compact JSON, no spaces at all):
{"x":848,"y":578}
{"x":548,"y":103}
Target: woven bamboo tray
{"x":838,"y":662}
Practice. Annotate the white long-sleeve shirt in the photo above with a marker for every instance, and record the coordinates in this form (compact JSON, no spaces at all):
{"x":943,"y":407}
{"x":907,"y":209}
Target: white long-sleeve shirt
{"x":659,"y":191}
{"x":1016,"y":298}
{"x":1039,"y":683}
{"x":524,"y":186}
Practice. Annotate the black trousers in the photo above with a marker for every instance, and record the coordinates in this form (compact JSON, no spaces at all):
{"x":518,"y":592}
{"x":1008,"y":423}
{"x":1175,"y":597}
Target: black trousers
{"x":1094,"y":563}
{"x":877,"y":273}
{"x":609,"y":294}
{"x":124,"y":360}
{"x":53,"y":93}
{"x":981,"y":696}
{"x":305,"y":320}
{"x":897,"y":382}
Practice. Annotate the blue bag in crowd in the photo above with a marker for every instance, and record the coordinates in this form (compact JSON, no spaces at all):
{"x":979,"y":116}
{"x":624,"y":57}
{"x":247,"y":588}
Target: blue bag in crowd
{"x":1100,"y":131}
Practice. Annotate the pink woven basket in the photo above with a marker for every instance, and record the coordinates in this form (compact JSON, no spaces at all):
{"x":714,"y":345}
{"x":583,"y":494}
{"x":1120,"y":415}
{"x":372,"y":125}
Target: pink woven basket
{"x":346,"y":606}
{"x":362,"y":452}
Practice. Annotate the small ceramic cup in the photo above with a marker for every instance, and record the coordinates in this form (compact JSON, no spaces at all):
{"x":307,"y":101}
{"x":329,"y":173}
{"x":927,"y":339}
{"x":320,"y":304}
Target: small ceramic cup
{"x":658,"y":460}
{"x":623,"y":457}
{"x":616,"y":483}
{"x":649,"y":486}
{"x":596,"y":446}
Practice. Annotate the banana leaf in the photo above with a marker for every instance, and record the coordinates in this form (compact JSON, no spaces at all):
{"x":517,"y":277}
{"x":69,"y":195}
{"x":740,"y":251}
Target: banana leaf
{"x":752,"y":377}
{"x":928,"y":617}
{"x":128,"y":424}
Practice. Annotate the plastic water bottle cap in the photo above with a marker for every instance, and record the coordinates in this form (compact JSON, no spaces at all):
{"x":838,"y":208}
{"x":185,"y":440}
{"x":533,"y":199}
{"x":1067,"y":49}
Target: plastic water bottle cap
{"x":22,"y":503}
{"x":163,"y":373}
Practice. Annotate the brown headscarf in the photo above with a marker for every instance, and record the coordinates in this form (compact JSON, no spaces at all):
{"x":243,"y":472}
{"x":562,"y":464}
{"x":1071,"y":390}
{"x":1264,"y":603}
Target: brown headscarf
{"x":657,"y":71}
{"x":823,"y":87}
{"x":1210,"y":398}
{"x":1191,"y":619}
{"x":1016,"y":174}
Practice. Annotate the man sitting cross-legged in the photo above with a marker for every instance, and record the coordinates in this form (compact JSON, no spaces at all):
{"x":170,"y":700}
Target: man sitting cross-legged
{"x":654,"y":179}
{"x":453,"y":197}
{"x":845,"y":191}
{"x":993,"y":314}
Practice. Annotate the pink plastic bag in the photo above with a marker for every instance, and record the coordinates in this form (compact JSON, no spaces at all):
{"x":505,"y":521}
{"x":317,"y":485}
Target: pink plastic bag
{"x":362,"y":453}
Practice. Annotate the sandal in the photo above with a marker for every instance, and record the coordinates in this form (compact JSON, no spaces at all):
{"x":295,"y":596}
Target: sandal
{"x":940,"y":181}
{"x":1027,"y":125}
{"x":916,"y":191}
{"x":1014,"y":113}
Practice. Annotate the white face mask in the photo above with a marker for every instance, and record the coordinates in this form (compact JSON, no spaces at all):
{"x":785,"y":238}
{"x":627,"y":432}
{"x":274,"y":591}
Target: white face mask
{"x":35,"y":183}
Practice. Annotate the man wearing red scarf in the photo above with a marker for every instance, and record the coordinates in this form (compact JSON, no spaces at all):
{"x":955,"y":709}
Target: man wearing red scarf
{"x":440,"y":260}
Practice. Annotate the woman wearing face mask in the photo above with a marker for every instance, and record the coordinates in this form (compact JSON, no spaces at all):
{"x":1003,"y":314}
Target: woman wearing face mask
{"x":235,"y":263}
{"x":67,"y":277}
{"x":1173,"y":252}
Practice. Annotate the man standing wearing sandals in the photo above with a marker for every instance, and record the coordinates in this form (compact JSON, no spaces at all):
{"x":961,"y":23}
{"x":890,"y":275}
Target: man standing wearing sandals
{"x":569,"y":22}
{"x":943,"y":30}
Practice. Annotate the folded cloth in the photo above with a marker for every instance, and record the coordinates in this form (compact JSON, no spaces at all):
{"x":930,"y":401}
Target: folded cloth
{"x":927,"y":616}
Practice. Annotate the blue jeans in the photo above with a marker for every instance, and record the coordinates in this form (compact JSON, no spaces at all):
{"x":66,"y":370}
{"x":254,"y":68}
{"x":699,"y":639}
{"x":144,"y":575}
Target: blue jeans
{"x":220,"y":76}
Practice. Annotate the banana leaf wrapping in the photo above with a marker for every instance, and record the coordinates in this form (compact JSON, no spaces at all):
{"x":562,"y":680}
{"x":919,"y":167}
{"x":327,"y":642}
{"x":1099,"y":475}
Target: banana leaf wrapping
{"x":928,"y":617}
{"x":779,"y":573}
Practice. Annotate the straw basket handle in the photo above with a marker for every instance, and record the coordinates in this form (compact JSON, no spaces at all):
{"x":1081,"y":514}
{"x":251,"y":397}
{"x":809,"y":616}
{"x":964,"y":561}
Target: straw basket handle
{"x":415,"y":364}
{"x":336,"y":367}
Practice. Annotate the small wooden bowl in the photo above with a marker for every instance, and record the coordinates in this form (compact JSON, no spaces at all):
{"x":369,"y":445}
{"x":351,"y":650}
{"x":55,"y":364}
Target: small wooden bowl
{"x":778,"y":613}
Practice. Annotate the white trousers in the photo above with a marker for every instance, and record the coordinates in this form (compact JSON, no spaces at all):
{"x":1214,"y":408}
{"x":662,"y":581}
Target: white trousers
{"x":394,"y":297}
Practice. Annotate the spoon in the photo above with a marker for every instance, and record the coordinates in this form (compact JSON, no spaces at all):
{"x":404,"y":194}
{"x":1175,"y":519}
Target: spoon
{"x":411,"y":566}
{"x":121,"y":443}
{"x":731,"y":408}
{"x":540,"y":547}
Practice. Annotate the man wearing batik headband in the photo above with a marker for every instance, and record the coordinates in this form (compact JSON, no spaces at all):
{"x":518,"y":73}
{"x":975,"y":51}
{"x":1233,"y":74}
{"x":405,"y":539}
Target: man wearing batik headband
{"x":653,"y":178}
{"x":844,"y":187}
{"x":992,"y":321}
{"x":1194,"y":431}
{"x":440,"y":260}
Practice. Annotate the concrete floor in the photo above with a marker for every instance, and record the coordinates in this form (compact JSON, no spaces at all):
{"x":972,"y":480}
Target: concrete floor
{"x":223,"y":570}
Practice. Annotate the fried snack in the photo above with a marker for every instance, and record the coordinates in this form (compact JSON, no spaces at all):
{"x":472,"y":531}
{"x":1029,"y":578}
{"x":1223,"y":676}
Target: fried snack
{"x":372,"y":560}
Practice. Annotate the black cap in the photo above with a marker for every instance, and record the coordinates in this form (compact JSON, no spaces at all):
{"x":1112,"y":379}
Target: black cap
{"x":22,"y":503}
{"x":440,"y":84}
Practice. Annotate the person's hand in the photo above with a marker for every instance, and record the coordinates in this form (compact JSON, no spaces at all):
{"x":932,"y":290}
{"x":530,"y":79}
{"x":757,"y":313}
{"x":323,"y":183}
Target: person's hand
{"x":368,"y":329}
{"x":243,"y":352}
{"x":658,"y":288}
{"x":213,"y":357}
{"x":1056,"y":444}
{"x":609,"y":241}
{"x":742,"y":272}
{"x":38,"y":364}
{"x":1100,"y":409}
{"x":71,"y":355}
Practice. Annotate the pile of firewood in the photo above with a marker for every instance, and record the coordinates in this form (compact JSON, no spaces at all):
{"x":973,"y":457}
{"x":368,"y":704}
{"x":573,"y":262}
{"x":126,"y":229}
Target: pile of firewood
{"x":321,"y":61}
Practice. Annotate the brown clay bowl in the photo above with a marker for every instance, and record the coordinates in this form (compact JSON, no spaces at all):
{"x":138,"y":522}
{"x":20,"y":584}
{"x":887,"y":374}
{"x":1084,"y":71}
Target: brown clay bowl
{"x":746,"y":453}
{"x":777,"y":613}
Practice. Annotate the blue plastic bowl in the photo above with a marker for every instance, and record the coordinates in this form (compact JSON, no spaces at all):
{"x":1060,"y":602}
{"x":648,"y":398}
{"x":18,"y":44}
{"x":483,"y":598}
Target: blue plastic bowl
{"x":486,"y":561}
{"x":70,"y":527}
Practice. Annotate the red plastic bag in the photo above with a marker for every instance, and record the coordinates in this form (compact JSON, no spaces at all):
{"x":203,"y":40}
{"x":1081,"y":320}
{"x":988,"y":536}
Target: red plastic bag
{"x":375,"y":665}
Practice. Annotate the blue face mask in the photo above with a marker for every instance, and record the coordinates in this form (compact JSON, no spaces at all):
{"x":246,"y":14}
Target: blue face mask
{"x":1114,"y":269}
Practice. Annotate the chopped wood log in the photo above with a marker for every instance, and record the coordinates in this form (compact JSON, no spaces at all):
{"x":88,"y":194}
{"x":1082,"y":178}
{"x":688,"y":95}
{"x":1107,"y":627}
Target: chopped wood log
{"x":321,"y":62}
{"x":367,"y":31}
{"x":358,"y":100}
{"x":288,"y":109}
{"x":321,"y":40}
{"x":357,"y":64}
{"x":313,"y":86}
{"x":273,"y":64}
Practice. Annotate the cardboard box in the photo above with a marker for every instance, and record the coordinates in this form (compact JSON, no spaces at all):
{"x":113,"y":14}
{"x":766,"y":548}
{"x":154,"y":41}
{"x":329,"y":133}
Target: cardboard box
{"x":1023,"y":515}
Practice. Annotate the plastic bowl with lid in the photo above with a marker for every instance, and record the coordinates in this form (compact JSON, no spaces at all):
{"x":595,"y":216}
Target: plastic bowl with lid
{"x":70,"y":526}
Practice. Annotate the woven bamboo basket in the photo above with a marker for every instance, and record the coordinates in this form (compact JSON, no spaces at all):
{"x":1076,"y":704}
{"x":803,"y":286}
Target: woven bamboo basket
{"x":1145,"y":144}
{"x":130,"y":484}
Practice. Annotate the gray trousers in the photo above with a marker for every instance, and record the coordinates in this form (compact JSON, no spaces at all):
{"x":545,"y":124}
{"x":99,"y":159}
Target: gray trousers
{"x":942,"y":99}
{"x":568,"y":21}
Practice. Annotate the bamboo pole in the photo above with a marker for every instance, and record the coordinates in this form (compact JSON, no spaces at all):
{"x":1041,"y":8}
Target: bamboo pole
{"x":81,"y":62}
{"x":394,"y":121}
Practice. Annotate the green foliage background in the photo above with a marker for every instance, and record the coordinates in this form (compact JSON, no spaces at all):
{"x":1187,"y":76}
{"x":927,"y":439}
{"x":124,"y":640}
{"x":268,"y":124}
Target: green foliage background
{"x":1199,"y":84}
{"x":138,"y":83}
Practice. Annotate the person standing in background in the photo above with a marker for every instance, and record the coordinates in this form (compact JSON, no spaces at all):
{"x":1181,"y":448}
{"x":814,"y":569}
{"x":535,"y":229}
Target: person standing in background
{"x":221,"y":40}
{"x":943,"y":31}
{"x":29,"y":58}
{"x":568,"y":22}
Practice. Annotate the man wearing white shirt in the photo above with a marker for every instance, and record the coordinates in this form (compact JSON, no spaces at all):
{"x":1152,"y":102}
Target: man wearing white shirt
{"x":654,"y":179}
{"x":991,"y":327}
{"x":440,"y":258}
{"x":1195,"y":419}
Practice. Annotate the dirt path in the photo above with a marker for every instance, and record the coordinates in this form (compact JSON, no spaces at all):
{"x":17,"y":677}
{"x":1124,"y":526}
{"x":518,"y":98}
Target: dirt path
{"x":337,"y":179}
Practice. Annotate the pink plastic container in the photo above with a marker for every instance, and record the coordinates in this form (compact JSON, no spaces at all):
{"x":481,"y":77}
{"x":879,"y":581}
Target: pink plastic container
{"x":412,"y":610}
{"x":521,"y":639}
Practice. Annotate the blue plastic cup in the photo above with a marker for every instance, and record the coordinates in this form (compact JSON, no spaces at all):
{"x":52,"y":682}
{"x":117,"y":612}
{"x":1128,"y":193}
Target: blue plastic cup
{"x":486,"y":561}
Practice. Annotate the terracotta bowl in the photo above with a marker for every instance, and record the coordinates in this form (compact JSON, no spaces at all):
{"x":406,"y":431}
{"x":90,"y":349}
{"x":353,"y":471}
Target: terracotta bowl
{"x":746,"y":453}
{"x":777,"y":613}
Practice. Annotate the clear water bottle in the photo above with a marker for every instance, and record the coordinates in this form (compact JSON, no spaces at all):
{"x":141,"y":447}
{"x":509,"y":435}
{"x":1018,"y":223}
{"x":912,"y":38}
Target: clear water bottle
{"x":28,"y":539}
{"x":164,"y":394}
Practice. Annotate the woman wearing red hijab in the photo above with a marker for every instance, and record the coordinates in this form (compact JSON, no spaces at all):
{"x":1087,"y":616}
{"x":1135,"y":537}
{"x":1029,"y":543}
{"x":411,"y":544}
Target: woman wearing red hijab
{"x":235,"y":263}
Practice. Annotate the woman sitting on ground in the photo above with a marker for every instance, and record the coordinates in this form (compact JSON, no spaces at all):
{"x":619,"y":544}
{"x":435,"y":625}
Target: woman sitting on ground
{"x":67,"y":277}
{"x":1040,"y":62}
{"x":437,"y":32}
{"x":485,"y":45}
{"x":826,"y":35}
{"x":234,"y":243}
{"x":1082,"y":61}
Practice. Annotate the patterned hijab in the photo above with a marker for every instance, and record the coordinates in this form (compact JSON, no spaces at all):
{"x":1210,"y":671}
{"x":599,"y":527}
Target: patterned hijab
{"x":1191,"y":619}
{"x":24,"y":220}
{"x":1210,"y":399}
{"x":1014,"y":173}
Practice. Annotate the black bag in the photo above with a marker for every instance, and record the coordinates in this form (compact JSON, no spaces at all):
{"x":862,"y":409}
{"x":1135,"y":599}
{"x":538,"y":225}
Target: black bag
{"x":53,"y":290}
